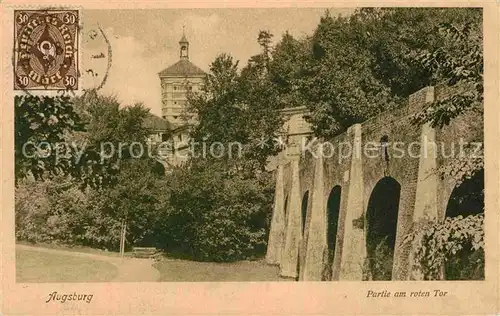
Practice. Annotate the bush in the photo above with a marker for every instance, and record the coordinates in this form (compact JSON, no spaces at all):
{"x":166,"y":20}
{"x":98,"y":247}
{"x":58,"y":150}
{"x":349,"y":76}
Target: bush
{"x":378,"y":265}
{"x":32,"y":211}
{"x":215,"y":216}
{"x":455,"y":245}
{"x":381,"y":263}
{"x":59,"y":211}
{"x":200,"y":212}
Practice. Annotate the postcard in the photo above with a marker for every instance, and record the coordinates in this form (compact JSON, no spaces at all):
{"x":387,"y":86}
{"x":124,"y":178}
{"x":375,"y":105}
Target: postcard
{"x":284,"y":158}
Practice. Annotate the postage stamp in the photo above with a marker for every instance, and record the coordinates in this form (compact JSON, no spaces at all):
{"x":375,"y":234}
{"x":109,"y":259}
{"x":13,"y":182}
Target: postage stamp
{"x":45,"y":47}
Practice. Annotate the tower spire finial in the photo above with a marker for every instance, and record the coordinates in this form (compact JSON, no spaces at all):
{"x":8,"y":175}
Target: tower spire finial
{"x":183,"y":38}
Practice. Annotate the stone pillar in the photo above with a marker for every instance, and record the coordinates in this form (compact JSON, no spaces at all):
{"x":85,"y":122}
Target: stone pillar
{"x":277,"y":231}
{"x":427,"y":183}
{"x":426,"y":200}
{"x":289,"y":257}
{"x":354,"y":248}
{"x":316,"y":241}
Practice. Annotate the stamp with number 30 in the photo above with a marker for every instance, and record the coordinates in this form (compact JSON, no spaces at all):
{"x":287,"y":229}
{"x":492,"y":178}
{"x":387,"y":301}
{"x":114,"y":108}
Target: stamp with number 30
{"x":46,"y":49}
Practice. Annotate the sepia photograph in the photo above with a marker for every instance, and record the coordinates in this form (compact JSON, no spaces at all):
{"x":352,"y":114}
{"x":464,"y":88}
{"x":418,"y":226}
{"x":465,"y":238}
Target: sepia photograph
{"x":346,"y":146}
{"x":244,"y":152}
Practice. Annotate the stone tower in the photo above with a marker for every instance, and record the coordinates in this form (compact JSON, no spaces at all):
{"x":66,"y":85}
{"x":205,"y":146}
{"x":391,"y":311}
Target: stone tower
{"x":176,"y":81}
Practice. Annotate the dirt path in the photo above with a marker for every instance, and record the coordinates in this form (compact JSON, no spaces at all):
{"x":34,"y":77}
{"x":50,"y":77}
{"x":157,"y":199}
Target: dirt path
{"x":129,"y":269}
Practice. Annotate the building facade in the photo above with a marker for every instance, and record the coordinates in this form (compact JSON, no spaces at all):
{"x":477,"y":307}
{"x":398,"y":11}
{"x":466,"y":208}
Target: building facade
{"x":177,"y":81}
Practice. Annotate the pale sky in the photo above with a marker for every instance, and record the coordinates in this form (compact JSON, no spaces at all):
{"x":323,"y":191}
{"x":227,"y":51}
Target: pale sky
{"x":144,"y":42}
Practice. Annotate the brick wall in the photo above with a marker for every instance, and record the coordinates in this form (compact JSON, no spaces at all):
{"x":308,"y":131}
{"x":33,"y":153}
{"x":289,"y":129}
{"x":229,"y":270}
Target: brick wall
{"x":396,"y":126}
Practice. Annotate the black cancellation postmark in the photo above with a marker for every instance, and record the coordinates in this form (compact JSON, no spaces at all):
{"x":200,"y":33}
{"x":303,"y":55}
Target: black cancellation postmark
{"x":46,"y":49}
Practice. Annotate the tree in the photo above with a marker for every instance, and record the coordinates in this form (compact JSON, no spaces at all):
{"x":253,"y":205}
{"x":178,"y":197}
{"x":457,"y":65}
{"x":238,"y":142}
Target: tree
{"x":218,"y":206}
{"x":229,"y":108}
{"x":264,"y":40}
{"x":289,"y":58}
{"x":135,"y":200}
{"x":106,"y":182}
{"x":110,"y":123}
{"x":214,"y":216}
{"x":396,"y":36}
{"x":358,"y":66}
{"x":459,"y":62}
{"x":216,"y":102}
{"x":338,"y":85}
{"x":458,"y":242}
{"x":62,"y":136}
{"x":41,"y":124}
{"x":57,"y":211}
{"x":117,"y":136}
{"x":262,"y":100}
{"x":113,"y":133}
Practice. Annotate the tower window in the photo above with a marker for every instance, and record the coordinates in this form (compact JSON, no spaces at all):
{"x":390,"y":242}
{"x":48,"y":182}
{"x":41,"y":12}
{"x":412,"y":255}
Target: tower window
{"x":184,"y":51}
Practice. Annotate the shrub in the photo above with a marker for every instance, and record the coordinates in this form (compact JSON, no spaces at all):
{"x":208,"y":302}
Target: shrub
{"x":378,"y":265}
{"x":59,"y":211}
{"x":214,"y":216}
{"x":32,"y":211}
{"x":455,"y":245}
{"x":381,"y":263}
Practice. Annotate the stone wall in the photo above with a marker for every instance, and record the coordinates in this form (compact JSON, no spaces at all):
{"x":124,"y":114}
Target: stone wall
{"x":423,"y":195}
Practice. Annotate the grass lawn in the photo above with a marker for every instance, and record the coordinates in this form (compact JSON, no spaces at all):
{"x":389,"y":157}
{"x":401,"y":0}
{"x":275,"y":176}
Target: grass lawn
{"x":192,"y":271}
{"x":82,"y":249}
{"x":42,"y":266}
{"x":35,"y":266}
